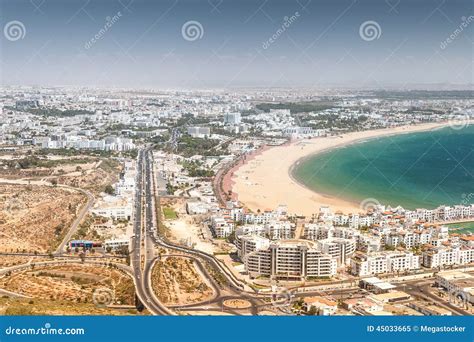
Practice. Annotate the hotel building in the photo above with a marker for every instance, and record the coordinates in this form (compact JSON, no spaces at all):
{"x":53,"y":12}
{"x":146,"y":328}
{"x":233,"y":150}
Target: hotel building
{"x":286,"y":259}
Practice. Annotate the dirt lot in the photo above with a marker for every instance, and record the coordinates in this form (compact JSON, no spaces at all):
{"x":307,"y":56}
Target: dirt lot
{"x":187,"y":229}
{"x":31,"y":166}
{"x":15,"y":306}
{"x":105,"y":172}
{"x":35,"y":218}
{"x":73,"y":283}
{"x":90,"y":173}
{"x":177,"y":282}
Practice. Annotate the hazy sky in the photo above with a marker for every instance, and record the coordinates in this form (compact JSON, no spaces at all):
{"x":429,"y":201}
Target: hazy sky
{"x":321,"y":45}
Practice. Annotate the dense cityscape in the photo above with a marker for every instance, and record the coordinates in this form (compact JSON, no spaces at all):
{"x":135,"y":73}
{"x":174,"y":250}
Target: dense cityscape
{"x":126,"y":201}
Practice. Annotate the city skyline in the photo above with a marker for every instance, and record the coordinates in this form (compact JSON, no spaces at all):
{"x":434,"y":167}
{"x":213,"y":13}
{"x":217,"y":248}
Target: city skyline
{"x":141,"y":44}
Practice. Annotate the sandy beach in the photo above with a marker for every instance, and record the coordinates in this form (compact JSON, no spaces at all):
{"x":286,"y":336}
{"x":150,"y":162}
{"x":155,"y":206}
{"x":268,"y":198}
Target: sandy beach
{"x":264,"y":182}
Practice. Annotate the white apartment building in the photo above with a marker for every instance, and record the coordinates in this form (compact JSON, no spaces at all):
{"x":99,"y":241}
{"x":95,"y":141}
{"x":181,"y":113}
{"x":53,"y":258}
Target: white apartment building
{"x":434,"y":235}
{"x":277,"y":230}
{"x":369,"y":243}
{"x":115,"y":212}
{"x":274,"y":230}
{"x":290,"y":260}
{"x":383,"y":216}
{"x":250,"y":243}
{"x":250,"y":229}
{"x":318,"y":231}
{"x":259,"y":218}
{"x":222,"y":226}
{"x":341,"y":249}
{"x":447,"y":256}
{"x":302,"y":132}
{"x":383,"y":262}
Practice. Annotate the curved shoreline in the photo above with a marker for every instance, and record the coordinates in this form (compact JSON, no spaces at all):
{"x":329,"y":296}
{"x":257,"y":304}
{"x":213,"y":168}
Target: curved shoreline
{"x":323,"y":194}
{"x":291,"y":169}
{"x":261,"y":184}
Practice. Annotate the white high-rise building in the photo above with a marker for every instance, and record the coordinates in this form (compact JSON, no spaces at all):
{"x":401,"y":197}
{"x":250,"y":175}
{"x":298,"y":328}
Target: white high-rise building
{"x":289,"y":259}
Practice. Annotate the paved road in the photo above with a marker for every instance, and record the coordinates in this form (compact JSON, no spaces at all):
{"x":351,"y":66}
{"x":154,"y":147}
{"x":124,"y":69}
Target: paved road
{"x":151,"y":240}
{"x":424,"y":290}
{"x":82,"y":213}
{"x":142,"y":279}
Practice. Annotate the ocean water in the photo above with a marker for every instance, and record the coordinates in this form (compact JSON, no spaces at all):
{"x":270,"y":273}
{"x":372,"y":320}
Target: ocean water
{"x":416,"y":170}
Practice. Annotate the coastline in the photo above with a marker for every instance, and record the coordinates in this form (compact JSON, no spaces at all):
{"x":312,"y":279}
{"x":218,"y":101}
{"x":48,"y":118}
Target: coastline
{"x":266,"y":181}
{"x":226,"y":179}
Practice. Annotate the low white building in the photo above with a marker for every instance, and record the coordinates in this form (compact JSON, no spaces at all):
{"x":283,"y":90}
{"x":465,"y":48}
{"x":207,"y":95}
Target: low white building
{"x":116,"y":243}
{"x":383,"y":262}
{"x":447,"y":256}
{"x":222,"y":226}
{"x":119,"y":212}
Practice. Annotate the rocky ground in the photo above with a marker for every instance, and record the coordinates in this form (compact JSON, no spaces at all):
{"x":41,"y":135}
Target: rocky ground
{"x":35,"y":218}
{"x":176,"y":281}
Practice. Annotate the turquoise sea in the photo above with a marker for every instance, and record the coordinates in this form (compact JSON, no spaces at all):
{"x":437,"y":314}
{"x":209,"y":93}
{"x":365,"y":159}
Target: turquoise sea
{"x":414,"y":170}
